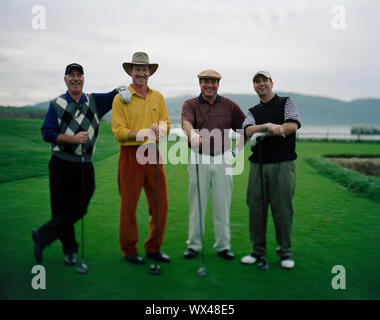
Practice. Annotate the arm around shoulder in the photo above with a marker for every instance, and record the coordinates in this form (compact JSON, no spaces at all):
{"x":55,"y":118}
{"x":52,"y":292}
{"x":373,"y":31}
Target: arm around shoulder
{"x":118,"y":122}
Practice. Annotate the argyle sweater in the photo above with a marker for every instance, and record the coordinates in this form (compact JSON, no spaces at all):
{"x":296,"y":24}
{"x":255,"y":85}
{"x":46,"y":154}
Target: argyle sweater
{"x":75,"y":117}
{"x":69,"y":117}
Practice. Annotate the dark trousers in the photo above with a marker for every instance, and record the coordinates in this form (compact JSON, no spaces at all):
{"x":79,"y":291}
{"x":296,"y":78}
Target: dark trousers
{"x":279,"y":181}
{"x":71,"y":189}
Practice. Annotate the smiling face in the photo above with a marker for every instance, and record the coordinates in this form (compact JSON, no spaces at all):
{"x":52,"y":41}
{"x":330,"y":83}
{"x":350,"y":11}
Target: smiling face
{"x":263,"y":86}
{"x":140,"y":75}
{"x":74,"y":82}
{"x":209,"y":88}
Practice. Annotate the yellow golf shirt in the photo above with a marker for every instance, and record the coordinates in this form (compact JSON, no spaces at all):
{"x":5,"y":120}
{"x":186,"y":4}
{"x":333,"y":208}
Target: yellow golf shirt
{"x":138,"y":114}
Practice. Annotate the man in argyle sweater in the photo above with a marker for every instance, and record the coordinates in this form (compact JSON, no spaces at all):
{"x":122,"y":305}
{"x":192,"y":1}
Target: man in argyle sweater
{"x":71,"y":126}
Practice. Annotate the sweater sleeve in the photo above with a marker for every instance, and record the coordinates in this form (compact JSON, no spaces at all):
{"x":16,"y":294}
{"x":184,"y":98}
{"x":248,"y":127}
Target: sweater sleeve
{"x":103,"y":102}
{"x":50,"y":127}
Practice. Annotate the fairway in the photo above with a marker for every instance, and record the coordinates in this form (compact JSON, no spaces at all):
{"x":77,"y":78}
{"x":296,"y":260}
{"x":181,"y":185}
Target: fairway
{"x":332,"y":226}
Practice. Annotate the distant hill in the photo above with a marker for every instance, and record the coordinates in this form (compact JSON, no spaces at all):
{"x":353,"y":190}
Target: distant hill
{"x":314,"y":110}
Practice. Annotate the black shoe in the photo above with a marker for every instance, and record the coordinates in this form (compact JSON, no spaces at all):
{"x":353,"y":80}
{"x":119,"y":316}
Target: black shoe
{"x":227,"y":254}
{"x":262,"y":263}
{"x":70,"y":259}
{"x":190,"y":253}
{"x":159,"y":256}
{"x":38,"y":245}
{"x":135,"y":258}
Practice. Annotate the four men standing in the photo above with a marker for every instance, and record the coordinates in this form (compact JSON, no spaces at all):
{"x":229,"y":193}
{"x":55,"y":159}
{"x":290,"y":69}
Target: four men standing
{"x":71,"y":125}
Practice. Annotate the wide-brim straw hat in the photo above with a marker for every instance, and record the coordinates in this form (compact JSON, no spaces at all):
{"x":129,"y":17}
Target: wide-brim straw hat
{"x":140,"y":58}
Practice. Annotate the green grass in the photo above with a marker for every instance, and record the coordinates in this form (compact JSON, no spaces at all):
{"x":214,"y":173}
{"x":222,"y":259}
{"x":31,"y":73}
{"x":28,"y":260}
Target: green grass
{"x":23,"y":154}
{"x":332,"y":226}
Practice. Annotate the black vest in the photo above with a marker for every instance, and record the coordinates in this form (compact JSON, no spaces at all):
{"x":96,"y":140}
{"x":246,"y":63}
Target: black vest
{"x":273,"y":149}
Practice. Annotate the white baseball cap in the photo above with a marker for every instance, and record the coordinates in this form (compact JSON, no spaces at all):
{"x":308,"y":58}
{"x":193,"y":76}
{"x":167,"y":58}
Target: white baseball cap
{"x":262,"y":73}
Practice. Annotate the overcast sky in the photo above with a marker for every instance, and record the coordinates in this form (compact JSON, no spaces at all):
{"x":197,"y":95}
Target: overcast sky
{"x":296,"y":40}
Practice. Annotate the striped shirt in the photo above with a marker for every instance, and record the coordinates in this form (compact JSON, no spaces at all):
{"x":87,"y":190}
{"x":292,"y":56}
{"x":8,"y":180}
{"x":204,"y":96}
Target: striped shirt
{"x":290,"y":113}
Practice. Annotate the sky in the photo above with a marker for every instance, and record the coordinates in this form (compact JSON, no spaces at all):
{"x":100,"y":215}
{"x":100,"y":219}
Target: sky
{"x":324,"y":48}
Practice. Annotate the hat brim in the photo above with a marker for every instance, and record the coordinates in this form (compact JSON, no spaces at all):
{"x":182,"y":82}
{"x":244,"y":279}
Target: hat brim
{"x":152,"y":67}
{"x":209,"y":77}
{"x":260,"y":74}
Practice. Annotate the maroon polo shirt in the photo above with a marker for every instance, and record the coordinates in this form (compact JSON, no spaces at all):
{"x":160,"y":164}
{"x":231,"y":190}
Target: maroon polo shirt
{"x":213,"y":121}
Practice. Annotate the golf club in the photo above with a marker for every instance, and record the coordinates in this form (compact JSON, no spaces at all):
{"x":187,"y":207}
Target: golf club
{"x":262,"y":263}
{"x":82,"y":267}
{"x":257,"y":136}
{"x":202,"y":271}
{"x":155,"y":269}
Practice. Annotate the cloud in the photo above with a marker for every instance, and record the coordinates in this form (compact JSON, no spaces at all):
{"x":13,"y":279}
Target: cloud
{"x":293,"y":39}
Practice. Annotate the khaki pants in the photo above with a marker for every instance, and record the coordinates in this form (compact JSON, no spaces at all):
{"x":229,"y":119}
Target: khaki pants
{"x":279,"y":185}
{"x":211,"y":176}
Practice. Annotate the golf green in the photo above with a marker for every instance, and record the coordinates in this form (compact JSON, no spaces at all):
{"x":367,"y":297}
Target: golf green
{"x":332,"y":226}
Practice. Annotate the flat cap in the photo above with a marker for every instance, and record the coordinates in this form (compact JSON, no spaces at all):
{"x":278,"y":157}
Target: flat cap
{"x":266,"y":74}
{"x":209,"y":74}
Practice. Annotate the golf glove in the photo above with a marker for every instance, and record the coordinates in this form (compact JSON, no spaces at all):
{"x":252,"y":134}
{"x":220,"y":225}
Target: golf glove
{"x":125,"y":94}
{"x":230,"y":155}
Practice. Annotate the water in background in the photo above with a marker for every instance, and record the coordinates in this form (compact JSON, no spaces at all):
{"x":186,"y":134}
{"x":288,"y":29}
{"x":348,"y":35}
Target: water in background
{"x":332,"y":132}
{"x":310,"y":132}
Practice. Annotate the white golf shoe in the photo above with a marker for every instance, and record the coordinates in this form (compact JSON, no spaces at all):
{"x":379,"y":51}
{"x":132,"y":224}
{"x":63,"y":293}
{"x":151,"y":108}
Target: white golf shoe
{"x":249,"y":259}
{"x":287,"y":263}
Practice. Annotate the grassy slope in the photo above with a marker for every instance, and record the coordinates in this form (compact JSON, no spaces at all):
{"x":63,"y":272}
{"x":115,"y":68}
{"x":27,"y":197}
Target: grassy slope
{"x":24,"y":154}
{"x":332,"y":226}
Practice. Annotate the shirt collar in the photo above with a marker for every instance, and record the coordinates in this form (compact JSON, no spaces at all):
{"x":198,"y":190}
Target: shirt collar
{"x":130,"y":87}
{"x":201,"y":100}
{"x":82,"y":99}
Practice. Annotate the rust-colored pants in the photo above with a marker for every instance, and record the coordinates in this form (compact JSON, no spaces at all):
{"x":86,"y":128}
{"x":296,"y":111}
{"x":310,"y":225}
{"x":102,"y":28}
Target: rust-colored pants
{"x":133,"y":176}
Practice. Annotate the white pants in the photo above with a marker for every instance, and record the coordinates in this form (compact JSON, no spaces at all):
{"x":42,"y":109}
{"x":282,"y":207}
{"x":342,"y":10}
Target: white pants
{"x":212,"y":176}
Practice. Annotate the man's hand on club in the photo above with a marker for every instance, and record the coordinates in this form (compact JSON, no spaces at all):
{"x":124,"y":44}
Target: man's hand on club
{"x":156,"y":130}
{"x":230,"y":156}
{"x":81,"y":137}
{"x":146,"y":133}
{"x":275,"y":130}
{"x":195,"y":140}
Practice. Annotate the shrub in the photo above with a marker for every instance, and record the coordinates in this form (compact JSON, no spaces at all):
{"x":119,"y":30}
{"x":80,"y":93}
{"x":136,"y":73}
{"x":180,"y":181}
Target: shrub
{"x":366,"y":186}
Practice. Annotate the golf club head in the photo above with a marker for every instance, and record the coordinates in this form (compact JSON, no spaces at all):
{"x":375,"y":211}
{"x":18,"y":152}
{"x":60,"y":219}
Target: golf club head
{"x":263,"y":265}
{"x":82,"y":268}
{"x":155,"y":269}
{"x":202,"y":271}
